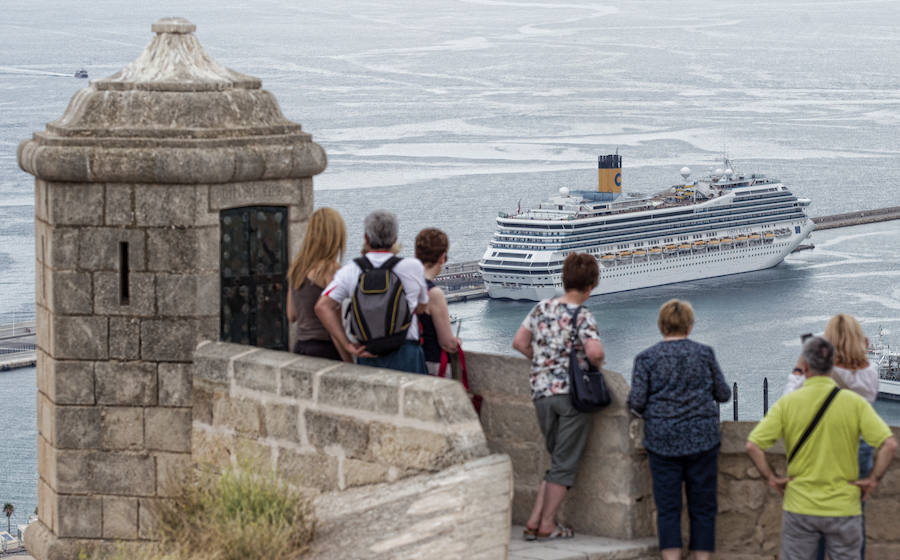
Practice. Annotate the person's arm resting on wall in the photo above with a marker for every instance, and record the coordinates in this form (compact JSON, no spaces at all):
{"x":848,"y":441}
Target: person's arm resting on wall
{"x":640,"y":386}
{"x":522,"y":342}
{"x":877,"y":434}
{"x":762,"y":437}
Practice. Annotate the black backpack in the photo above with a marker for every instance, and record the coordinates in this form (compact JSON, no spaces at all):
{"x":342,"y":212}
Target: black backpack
{"x":379,"y":314}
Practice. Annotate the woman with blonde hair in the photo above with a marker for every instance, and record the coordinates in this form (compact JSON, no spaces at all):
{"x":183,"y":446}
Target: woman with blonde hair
{"x":852,"y":370}
{"x":676,"y":386}
{"x":312,"y":269}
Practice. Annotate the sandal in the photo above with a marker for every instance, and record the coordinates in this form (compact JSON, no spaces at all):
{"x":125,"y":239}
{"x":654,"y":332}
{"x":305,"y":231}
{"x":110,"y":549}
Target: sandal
{"x":560,"y":532}
{"x":530,"y":534}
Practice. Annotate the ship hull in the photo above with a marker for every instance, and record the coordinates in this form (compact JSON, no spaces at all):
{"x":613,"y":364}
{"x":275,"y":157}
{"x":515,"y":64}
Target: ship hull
{"x":889,"y":390}
{"x":669,"y":270}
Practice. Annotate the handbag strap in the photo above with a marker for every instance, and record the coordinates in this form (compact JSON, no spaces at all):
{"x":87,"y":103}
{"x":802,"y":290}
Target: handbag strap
{"x":573,"y":332}
{"x":814,"y":423}
{"x":445,"y":360}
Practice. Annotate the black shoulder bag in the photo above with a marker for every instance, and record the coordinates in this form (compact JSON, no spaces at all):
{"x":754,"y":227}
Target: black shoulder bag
{"x":814,"y":423}
{"x":587,"y":389}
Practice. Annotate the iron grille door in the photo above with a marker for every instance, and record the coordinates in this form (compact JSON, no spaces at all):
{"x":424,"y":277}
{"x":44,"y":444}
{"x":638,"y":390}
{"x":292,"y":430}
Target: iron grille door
{"x":253,"y":247}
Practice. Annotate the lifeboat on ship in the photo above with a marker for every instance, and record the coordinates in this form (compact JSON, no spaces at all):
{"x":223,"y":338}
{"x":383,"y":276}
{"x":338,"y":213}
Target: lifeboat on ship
{"x":655,"y":253}
{"x":782,"y":232}
{"x":713,"y":243}
{"x":640,"y":254}
{"x":609,"y":259}
{"x":670,"y":250}
{"x":755,"y":238}
{"x":727,"y":243}
{"x":624,"y":256}
{"x":768,"y":236}
{"x":741,"y":239}
{"x":684,"y":248}
{"x":699,"y":245}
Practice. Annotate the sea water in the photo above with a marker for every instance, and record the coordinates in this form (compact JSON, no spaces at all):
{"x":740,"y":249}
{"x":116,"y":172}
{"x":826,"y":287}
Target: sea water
{"x":447,"y":112}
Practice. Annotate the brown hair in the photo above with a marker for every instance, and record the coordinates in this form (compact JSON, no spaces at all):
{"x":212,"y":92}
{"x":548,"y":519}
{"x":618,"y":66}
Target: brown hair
{"x":676,"y":317}
{"x":431,"y":243}
{"x":845,"y":333}
{"x":323,"y":247}
{"x":580,"y":272}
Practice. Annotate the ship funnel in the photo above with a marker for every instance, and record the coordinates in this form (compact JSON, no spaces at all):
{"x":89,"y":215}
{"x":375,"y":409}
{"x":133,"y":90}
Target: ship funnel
{"x":610,"y":174}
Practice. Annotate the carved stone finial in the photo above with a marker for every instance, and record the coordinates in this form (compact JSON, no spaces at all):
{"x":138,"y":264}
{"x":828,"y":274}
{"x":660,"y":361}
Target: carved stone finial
{"x":173,"y":25}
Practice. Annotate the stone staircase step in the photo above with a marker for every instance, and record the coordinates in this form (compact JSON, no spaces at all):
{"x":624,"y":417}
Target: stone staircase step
{"x":581,"y":547}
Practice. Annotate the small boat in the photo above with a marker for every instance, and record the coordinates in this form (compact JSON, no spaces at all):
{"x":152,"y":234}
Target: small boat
{"x":624,"y":255}
{"x":713,"y":243}
{"x":684,"y":247}
{"x":609,"y":259}
{"x":655,"y":252}
{"x":782,"y":232}
{"x":768,"y":236}
{"x":755,"y":238}
{"x":81,"y":73}
{"x":742,"y":239}
{"x":699,"y":243}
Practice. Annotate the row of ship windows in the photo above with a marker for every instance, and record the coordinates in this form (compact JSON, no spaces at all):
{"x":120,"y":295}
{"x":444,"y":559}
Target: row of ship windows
{"x":530,"y":244}
{"x":788,"y":200}
{"x":654,"y":225}
{"x":603,"y":272}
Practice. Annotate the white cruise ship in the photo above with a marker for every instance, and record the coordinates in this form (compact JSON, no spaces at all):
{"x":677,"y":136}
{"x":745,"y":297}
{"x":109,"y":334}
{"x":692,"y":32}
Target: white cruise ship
{"x":724,"y":223}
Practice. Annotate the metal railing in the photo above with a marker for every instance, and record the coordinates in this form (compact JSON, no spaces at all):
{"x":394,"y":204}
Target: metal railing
{"x":735,"y":399}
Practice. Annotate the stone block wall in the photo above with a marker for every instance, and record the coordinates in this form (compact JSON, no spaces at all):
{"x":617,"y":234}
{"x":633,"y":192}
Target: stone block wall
{"x":612,"y":495}
{"x":748,"y":526}
{"x":398,"y":462}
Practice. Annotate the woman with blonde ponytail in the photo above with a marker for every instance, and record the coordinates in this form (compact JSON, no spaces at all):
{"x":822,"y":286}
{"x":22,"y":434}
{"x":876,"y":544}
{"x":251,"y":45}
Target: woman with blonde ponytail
{"x":311,"y":270}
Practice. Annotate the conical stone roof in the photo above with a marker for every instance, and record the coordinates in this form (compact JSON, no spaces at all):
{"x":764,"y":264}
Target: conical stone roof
{"x":174,"y":115}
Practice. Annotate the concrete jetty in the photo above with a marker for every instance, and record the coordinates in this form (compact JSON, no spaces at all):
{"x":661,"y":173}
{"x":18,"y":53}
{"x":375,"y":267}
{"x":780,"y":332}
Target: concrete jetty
{"x":17,"y":345}
{"x":857,"y":218}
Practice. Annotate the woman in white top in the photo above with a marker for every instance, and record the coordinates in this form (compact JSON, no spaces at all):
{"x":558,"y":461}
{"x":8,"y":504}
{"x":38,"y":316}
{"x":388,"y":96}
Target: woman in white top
{"x":853,"y":371}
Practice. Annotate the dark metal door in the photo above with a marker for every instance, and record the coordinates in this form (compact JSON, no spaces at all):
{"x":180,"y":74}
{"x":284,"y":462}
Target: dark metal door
{"x":254,"y":265}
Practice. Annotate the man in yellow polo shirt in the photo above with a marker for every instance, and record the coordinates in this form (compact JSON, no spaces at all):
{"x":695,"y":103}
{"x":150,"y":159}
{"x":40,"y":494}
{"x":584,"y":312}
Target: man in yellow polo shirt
{"x":821,"y":491}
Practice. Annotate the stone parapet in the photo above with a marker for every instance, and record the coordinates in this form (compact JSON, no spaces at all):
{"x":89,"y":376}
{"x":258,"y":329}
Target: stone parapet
{"x":612,"y":495}
{"x":326,"y":425}
{"x":749,"y":522}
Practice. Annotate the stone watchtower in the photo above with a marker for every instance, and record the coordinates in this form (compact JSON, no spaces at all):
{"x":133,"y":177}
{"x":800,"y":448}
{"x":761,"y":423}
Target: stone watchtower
{"x":168,"y":199}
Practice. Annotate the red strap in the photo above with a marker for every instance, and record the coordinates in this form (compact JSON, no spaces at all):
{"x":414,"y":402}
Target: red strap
{"x":445,"y":360}
{"x":442,"y":370}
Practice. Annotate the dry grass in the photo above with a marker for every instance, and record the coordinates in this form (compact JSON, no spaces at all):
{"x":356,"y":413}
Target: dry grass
{"x":238,"y":514}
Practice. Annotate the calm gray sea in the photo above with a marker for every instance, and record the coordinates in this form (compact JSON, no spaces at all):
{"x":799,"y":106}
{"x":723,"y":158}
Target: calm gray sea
{"x":448,"y":111}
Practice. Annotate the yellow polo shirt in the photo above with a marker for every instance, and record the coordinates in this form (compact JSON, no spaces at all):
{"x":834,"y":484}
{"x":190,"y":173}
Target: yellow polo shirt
{"x":827,"y":462}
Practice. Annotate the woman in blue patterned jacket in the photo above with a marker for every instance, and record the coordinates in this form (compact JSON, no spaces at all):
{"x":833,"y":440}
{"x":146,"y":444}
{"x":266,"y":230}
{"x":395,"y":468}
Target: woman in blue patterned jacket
{"x":675,"y":386}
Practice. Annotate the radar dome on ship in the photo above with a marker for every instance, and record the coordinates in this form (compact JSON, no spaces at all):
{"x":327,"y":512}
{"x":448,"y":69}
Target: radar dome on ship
{"x":685,"y":172}
{"x":564,"y":191}
{"x":729,"y":172}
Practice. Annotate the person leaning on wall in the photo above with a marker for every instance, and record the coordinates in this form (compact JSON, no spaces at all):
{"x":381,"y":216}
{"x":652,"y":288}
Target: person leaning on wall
{"x":437,"y":334}
{"x":676,"y":386}
{"x":311,"y":270}
{"x":544,"y":339}
{"x":821,"y":488}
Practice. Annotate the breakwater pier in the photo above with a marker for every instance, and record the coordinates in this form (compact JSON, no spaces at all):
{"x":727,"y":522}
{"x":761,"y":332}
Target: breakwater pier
{"x":17,"y":345}
{"x":462,"y":281}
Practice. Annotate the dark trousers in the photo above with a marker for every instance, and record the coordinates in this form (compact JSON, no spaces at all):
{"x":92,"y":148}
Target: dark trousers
{"x":317,"y":348}
{"x":699,"y":473}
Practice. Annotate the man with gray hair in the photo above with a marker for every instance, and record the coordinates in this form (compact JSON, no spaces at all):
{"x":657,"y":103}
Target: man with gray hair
{"x":381,"y":231}
{"x":821,"y":427}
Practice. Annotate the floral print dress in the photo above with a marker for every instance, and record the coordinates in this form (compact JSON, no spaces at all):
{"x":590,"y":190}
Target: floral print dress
{"x":550,"y":324}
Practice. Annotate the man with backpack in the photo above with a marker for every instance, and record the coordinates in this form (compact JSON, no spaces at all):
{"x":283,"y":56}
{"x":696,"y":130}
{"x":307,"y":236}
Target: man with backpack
{"x":821,"y":427}
{"x":385,"y":292}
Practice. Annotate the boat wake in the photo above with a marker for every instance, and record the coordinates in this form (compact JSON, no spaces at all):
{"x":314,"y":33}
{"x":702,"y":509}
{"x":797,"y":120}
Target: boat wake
{"x":31,"y":71}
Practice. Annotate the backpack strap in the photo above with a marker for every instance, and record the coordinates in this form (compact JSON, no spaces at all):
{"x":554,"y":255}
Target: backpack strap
{"x":363,"y":263}
{"x":814,"y":423}
{"x":390,"y":263}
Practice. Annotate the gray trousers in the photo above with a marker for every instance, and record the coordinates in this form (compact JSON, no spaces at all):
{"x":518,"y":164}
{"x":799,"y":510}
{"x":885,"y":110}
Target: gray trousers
{"x":565,"y":433}
{"x":800,"y":536}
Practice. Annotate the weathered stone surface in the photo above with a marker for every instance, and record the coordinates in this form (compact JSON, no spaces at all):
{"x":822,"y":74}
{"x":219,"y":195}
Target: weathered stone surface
{"x":172,"y":471}
{"x":69,"y":292}
{"x":297,"y":376}
{"x":78,"y":337}
{"x":120,"y":518}
{"x":174,"y":384}
{"x":280,"y":421}
{"x":77,"y":427}
{"x":434,"y":399}
{"x":148,"y":517}
{"x":360,"y":473}
{"x":141,"y":294}
{"x":169,"y":340}
{"x":362,"y":388}
{"x":122,"y":427}
{"x":124,"y":338}
{"x":187,"y":295}
{"x":458,"y":512}
{"x":259,"y":371}
{"x":409,"y":447}
{"x":105,"y":472}
{"x":211,"y":360}
{"x":119,"y":209}
{"x":74,"y":204}
{"x":98,"y":248}
{"x":324,"y":429}
{"x":125,"y":383}
{"x":211,"y":448}
{"x":881,"y":519}
{"x":239,"y":414}
{"x":89,"y":521}
{"x":741,"y":495}
{"x":235,"y":195}
{"x":182,"y":249}
{"x":310,"y":470}
{"x":57,"y":247}
{"x":168,"y":429}
{"x":67,"y":382}
{"x":510,"y":419}
{"x":178,"y":209}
